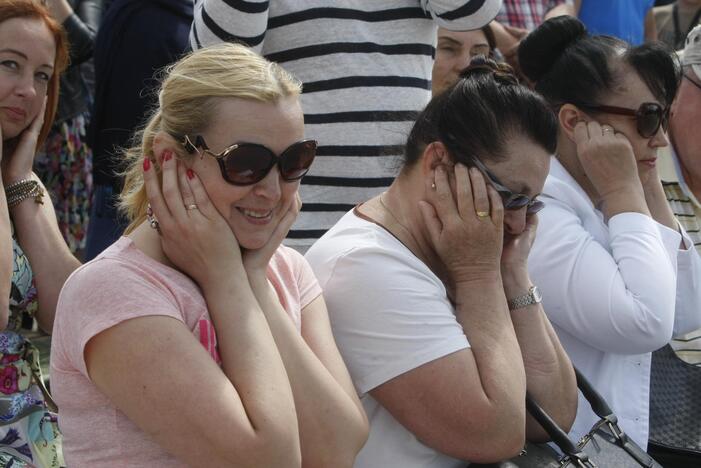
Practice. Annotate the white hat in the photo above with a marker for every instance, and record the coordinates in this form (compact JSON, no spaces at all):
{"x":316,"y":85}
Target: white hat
{"x":691,"y":56}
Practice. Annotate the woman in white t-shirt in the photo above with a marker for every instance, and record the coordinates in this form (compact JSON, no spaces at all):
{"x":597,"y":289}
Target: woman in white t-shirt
{"x":428,"y":290}
{"x":618,"y":273}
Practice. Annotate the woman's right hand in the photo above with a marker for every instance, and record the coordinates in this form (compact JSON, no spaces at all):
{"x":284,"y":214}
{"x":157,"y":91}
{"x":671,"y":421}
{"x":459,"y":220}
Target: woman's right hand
{"x":607,"y":159}
{"x":198,"y":241}
{"x":469,"y":245}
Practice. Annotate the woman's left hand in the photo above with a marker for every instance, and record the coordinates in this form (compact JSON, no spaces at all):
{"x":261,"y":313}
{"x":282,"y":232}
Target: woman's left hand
{"x":18,"y":165}
{"x":514,"y":257}
{"x":256,"y":261}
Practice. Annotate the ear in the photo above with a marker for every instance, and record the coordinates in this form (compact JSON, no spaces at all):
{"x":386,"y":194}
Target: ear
{"x":163,"y":142}
{"x":568,"y":117}
{"x":435,"y":154}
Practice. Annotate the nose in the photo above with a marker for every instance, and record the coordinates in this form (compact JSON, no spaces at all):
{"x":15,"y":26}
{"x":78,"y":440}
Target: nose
{"x":25,"y":86}
{"x":515,"y":221}
{"x":269,"y":187}
{"x":659,"y":139}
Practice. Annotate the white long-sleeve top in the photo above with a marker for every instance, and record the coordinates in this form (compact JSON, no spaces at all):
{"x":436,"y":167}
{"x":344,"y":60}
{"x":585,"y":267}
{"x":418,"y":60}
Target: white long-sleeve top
{"x":614,"y":292}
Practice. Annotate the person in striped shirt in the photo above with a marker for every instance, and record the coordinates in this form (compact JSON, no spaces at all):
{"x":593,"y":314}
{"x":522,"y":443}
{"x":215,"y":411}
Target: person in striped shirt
{"x":680,"y":166}
{"x":366,"y":70}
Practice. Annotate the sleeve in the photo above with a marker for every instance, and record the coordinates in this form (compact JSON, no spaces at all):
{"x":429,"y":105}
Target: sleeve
{"x":618,"y":296}
{"x":388,"y":317}
{"x":229,"y":21}
{"x":104,"y":294}
{"x":81,"y":39}
{"x":309,"y":288}
{"x":688,"y":306}
{"x":462,"y":15}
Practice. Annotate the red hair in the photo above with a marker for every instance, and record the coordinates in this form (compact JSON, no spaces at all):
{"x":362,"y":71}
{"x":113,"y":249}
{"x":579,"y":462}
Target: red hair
{"x":31,"y":9}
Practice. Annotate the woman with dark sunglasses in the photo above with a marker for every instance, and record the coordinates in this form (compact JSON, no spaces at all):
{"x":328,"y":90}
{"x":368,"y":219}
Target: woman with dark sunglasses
{"x":428,"y":290}
{"x":198,"y":339}
{"x":619,"y":275}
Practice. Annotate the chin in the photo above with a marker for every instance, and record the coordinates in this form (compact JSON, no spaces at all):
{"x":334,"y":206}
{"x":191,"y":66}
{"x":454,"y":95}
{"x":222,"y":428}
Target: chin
{"x":11,"y":130}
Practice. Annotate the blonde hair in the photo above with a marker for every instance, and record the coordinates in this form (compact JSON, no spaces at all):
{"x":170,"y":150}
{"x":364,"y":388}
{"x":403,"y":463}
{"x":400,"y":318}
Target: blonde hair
{"x":187,"y":102}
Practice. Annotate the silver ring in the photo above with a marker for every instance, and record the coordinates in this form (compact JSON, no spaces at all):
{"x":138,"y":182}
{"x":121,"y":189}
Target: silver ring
{"x":191,"y":206}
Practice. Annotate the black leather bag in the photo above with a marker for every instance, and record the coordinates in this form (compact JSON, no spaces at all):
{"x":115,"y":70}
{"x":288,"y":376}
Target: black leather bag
{"x":604,"y":446}
{"x":675,"y":407}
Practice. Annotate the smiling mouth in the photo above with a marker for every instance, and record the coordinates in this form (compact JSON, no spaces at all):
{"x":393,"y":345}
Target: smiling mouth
{"x":256,"y":214}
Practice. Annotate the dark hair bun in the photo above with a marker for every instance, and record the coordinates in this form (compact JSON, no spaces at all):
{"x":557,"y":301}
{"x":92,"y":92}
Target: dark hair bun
{"x":541,"y":49}
{"x":481,"y":65}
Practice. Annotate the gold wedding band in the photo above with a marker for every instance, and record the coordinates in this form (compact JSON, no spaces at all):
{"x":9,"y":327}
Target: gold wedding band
{"x":482,"y":214}
{"x":191,"y":207}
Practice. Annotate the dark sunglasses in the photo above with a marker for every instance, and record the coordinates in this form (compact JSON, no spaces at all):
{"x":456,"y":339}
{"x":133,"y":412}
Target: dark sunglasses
{"x":249,"y":163}
{"x":511,"y":200}
{"x":649,"y":117}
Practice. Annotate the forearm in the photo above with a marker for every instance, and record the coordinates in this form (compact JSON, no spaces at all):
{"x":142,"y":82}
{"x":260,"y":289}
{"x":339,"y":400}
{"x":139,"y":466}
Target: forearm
{"x":560,"y":10}
{"x":51,"y":260}
{"x":331,"y":420}
{"x":59,"y":9}
{"x":482,"y":311}
{"x":6,"y":259}
{"x":549,"y":373}
{"x":250,"y":358}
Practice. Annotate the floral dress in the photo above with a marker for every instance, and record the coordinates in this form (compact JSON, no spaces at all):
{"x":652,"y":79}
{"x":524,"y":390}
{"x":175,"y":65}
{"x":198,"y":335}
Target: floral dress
{"x":29,"y":435}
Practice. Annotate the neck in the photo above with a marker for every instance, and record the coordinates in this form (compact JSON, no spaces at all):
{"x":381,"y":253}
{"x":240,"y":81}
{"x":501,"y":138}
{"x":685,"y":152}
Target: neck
{"x":401,"y":217}
{"x":148,"y":241}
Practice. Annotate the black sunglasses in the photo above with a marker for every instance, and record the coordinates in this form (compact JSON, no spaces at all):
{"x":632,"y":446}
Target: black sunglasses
{"x":511,"y":200}
{"x":649,"y":117}
{"x":249,"y":163}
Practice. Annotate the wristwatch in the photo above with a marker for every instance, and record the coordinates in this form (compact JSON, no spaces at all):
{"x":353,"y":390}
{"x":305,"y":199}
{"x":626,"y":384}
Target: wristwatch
{"x":533,"y":296}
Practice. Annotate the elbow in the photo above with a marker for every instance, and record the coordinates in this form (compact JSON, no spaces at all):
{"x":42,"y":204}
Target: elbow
{"x":500,"y":440}
{"x":340,"y":448}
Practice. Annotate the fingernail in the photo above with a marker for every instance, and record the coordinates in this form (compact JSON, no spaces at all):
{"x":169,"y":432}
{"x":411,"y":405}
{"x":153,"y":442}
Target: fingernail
{"x":147,"y":164}
{"x":190,"y":174}
{"x":167,"y":155}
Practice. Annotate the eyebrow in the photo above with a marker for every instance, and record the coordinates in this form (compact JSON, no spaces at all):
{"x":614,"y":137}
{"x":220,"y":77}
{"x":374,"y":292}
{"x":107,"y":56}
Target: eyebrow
{"x":23,"y":55}
{"x":449,"y":39}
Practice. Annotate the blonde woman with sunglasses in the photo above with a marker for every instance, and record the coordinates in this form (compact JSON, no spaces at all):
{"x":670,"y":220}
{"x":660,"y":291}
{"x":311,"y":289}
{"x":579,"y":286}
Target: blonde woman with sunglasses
{"x":197,"y":339}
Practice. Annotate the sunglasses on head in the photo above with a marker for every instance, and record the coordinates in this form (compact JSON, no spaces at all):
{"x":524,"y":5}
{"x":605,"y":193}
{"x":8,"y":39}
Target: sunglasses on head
{"x":511,"y":200}
{"x":649,"y":117}
{"x":249,"y":163}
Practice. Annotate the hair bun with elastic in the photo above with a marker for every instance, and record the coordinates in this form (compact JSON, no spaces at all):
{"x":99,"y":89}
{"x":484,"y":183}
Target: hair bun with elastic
{"x":501,"y":72}
{"x":541,"y":49}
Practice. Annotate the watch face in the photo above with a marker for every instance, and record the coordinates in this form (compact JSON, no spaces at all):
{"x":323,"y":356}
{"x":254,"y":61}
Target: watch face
{"x":536,"y":294}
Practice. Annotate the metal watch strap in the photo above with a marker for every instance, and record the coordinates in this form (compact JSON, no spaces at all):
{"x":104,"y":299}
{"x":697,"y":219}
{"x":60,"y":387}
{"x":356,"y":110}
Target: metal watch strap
{"x":531,"y":297}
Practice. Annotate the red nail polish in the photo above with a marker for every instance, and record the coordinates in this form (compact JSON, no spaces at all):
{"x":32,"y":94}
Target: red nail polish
{"x":167,"y":155}
{"x":190,"y":174}
{"x":147,"y":164}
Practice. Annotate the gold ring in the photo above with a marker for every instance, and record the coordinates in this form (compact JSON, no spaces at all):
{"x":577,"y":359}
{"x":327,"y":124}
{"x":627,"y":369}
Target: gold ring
{"x":191,"y":207}
{"x":482,"y":214}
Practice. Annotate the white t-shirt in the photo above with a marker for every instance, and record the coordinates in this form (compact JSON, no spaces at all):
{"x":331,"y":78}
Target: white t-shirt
{"x":390,"y":314}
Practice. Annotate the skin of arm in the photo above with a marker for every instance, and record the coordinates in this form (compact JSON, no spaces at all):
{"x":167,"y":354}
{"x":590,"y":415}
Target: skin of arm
{"x":59,"y":9}
{"x":468,"y":404}
{"x":6,"y":259}
{"x":560,"y":10}
{"x":332,"y":423}
{"x":549,"y":373}
{"x":319,"y":379}
{"x":37,"y":230}
{"x":249,"y":397}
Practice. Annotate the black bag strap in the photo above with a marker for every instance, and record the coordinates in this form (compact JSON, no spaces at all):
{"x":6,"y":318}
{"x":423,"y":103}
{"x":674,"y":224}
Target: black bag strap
{"x":602,"y":410}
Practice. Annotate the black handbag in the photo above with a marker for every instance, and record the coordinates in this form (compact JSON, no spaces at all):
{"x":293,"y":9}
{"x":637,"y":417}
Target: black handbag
{"x":675,"y":407}
{"x":605,"y":445}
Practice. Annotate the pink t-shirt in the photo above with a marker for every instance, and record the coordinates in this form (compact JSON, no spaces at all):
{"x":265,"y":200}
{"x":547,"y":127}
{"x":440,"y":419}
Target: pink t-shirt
{"x":121,"y":284}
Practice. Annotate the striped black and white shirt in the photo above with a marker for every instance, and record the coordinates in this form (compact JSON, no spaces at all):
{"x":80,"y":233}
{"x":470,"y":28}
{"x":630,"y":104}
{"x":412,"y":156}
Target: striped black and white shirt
{"x":366,"y":68}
